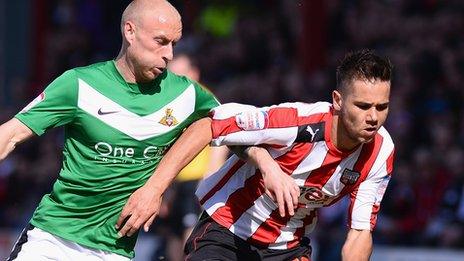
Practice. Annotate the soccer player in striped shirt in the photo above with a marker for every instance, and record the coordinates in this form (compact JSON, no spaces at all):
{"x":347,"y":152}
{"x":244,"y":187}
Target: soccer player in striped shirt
{"x":330,"y":150}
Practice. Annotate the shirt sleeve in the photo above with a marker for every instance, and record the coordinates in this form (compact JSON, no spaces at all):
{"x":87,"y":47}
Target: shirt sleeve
{"x":204,"y":102}
{"x":55,"y":106}
{"x":365,"y":201}
{"x":238,"y":124}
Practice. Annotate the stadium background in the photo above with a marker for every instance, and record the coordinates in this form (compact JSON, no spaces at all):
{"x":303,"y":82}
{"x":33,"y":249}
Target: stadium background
{"x":264,"y":52}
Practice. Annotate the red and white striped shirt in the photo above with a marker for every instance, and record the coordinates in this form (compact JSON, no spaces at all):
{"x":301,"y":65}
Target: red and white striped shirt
{"x":297,"y":136}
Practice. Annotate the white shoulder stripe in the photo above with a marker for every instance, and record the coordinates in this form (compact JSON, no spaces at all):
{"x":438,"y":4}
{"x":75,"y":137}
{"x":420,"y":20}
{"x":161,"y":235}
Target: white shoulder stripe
{"x":385,"y":151}
{"x":131,"y":124}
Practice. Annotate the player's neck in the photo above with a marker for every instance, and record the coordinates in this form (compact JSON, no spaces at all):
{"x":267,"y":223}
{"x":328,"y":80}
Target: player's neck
{"x":339,"y":135}
{"x":124,"y":69}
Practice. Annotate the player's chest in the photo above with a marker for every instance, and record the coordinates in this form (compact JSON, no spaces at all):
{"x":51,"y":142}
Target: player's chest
{"x":139,"y":118}
{"x":324,"y":178}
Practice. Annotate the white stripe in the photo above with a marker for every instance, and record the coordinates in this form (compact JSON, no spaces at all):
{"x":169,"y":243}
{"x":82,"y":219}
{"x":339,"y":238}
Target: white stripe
{"x":313,"y":161}
{"x":273,"y":136}
{"x":228,"y":110}
{"x":129,"y":123}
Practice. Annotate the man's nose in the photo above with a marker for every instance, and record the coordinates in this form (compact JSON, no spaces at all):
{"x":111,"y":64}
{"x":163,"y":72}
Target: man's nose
{"x":168,"y":52}
{"x":372,"y":115}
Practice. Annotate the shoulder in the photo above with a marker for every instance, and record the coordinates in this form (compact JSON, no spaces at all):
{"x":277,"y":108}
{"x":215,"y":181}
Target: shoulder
{"x":100,"y":66}
{"x":387,"y":141}
{"x":308,"y":109}
{"x":181,"y":80}
{"x":387,"y":148}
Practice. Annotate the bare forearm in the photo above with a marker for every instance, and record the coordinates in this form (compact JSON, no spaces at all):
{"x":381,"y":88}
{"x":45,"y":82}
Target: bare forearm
{"x":257,"y":156}
{"x":12,"y":133}
{"x":190,"y":143}
{"x":358,"y":245}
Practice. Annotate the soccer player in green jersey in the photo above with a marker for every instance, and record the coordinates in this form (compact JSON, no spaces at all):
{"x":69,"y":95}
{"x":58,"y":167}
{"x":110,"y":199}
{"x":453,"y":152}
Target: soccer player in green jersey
{"x":119,"y":117}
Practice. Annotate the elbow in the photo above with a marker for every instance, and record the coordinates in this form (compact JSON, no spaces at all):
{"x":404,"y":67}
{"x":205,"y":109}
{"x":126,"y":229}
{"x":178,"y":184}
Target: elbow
{"x":358,"y":246}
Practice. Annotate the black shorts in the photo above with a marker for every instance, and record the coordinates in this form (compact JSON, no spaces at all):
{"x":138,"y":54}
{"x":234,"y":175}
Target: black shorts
{"x":211,"y":241}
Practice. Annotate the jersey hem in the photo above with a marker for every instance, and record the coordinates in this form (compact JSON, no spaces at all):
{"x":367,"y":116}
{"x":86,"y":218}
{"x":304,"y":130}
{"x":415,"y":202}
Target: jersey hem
{"x":75,"y":240}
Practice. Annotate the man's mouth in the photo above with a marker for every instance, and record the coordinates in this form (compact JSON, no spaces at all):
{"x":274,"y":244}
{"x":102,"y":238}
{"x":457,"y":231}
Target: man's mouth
{"x":370,"y":130}
{"x":159,"y":70}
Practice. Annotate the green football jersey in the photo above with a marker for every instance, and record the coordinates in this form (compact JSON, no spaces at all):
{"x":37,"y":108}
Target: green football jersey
{"x":115,"y":135}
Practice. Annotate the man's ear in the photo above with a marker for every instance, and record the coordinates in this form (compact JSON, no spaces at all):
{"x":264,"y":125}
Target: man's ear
{"x":337,"y":100}
{"x":129,"y":31}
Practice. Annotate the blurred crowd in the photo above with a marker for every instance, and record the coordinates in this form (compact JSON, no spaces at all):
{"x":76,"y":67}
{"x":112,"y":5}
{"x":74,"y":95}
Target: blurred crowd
{"x":266,"y":52}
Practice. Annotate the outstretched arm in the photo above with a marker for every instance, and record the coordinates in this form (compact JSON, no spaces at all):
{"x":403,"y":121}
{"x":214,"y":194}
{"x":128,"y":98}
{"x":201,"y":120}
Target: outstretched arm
{"x":143,"y":205}
{"x":12,"y":133}
{"x":358,"y":245}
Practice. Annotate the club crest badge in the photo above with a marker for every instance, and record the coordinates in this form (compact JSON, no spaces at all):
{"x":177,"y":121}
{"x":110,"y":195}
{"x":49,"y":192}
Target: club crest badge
{"x":349,"y":177}
{"x":168,"y":119}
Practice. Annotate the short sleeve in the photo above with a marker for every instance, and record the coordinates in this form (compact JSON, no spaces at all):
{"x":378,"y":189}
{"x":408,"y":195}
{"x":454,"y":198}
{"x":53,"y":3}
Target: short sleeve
{"x":365,"y":201}
{"x":204,"y":102}
{"x":55,"y":106}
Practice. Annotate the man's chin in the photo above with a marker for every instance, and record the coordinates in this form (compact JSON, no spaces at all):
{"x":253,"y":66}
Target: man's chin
{"x":146,"y":78}
{"x":366,"y":139}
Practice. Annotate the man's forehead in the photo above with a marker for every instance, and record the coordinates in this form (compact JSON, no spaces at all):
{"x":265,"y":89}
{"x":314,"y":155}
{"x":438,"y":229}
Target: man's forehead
{"x":162,"y":25}
{"x":368,"y":88}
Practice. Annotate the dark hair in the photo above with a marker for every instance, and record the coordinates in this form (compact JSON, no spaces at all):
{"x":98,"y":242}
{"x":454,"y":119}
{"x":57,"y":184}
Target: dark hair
{"x":364,"y":65}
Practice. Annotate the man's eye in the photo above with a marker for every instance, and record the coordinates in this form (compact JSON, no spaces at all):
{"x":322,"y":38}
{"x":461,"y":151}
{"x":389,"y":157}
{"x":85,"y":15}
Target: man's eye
{"x":363,"y":106}
{"x":382,"y":107}
{"x":160,"y":41}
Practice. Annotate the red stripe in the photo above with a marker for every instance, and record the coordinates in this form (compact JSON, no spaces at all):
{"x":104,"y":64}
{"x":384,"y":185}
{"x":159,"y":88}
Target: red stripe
{"x":224,"y":127}
{"x":240,"y":200}
{"x":223,"y":181}
{"x":313,"y":118}
{"x":390,"y":162}
{"x":282,"y":117}
{"x":299,"y":232}
{"x":375,"y":211}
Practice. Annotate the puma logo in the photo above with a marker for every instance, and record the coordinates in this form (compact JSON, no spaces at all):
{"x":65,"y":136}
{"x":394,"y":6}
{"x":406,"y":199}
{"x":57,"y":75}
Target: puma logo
{"x":313,"y":133}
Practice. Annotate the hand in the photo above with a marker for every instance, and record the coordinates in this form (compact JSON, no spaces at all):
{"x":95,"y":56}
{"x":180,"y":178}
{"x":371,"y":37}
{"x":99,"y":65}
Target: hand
{"x":141,"y":209}
{"x":280,"y":187}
